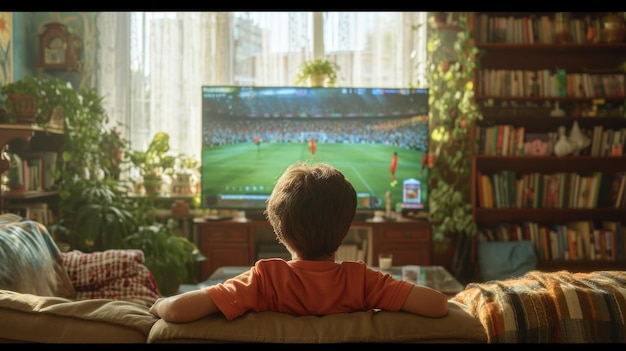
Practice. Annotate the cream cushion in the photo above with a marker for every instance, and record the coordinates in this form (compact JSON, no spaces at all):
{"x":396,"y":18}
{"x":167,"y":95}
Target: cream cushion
{"x":32,"y":318}
{"x":355,"y":327}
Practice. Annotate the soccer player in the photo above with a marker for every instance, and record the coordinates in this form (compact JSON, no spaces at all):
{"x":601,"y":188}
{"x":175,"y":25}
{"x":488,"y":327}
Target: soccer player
{"x":257,"y":142}
{"x":392,"y":167}
{"x":313,"y":148}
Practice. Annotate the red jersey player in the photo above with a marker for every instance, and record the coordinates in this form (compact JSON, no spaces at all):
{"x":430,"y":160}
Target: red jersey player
{"x":313,"y":148}
{"x":392,"y":167}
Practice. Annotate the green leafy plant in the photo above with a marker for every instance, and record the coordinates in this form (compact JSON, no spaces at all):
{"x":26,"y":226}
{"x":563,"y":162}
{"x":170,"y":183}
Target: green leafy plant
{"x":452,"y":59}
{"x":48,"y":93}
{"x":95,"y":215}
{"x":166,"y":255}
{"x":325,"y":69}
{"x":186,"y":164}
{"x":155,"y":161}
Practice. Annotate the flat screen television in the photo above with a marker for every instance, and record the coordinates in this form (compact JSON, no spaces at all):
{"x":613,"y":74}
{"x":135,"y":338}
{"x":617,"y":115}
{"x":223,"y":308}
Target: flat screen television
{"x":250,"y":134}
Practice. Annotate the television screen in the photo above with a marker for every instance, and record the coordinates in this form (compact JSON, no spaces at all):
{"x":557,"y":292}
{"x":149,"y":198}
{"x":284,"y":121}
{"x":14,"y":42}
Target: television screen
{"x":251,"y":134}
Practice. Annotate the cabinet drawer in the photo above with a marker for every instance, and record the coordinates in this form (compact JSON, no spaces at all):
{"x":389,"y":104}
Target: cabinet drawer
{"x":225,"y":234}
{"x":413,"y":235}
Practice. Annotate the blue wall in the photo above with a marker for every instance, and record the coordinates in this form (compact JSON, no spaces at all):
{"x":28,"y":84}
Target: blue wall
{"x":26,"y":26}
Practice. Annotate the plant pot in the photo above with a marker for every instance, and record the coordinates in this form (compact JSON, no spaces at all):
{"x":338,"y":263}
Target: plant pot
{"x":152,"y":184}
{"x":183,"y":184}
{"x":317,"y":80}
{"x":24,"y":107}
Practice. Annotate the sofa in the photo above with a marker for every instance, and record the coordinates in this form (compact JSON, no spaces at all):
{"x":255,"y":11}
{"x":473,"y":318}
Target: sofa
{"x":104,"y":306}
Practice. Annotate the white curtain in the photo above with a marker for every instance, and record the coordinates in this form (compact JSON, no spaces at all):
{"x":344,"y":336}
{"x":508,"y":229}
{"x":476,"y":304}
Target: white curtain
{"x":152,"y":64}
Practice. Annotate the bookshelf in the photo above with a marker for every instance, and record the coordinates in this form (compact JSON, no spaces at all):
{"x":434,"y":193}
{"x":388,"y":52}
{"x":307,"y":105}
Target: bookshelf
{"x":536,"y":78}
{"x":36,"y":147}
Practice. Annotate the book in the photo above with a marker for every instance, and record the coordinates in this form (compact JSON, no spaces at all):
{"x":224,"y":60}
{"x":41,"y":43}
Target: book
{"x":553,"y":190}
{"x":617,"y":238}
{"x":482,"y":202}
{"x":38,"y":212}
{"x":619,"y":199}
{"x":584,"y":230}
{"x":572,"y":243}
{"x":620,"y":242}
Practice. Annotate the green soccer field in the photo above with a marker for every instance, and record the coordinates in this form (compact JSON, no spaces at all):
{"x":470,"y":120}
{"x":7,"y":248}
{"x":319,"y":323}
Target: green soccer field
{"x":245,"y":169}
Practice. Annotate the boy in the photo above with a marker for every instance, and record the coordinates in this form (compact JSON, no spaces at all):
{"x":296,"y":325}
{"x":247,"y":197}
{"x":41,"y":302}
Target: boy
{"x":311,"y":210}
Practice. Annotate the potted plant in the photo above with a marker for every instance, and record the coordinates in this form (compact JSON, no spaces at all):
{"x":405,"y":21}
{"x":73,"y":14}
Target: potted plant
{"x":39,"y":100}
{"x":318,"y":71}
{"x":186,"y":174}
{"x":154,"y":162}
{"x":166,"y":255}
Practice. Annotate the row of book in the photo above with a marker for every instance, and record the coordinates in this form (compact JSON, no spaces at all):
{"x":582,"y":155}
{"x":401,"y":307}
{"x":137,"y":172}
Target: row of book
{"x":548,"y":83}
{"x":38,"y":211}
{"x":506,"y":189}
{"x":576,"y":240}
{"x":31,"y":172}
{"x":351,"y":252}
{"x":535,"y":29}
{"x":508,"y":140}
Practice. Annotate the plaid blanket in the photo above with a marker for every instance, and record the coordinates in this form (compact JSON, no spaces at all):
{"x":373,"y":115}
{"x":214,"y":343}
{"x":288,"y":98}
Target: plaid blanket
{"x":558,"y":307}
{"x":111,"y":274}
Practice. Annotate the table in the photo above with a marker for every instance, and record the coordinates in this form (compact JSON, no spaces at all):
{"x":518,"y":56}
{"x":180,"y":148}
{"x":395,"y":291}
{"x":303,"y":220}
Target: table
{"x":436,"y":277}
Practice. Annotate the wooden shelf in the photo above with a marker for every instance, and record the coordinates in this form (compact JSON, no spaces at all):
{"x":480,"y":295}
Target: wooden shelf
{"x":552,"y":123}
{"x":9,"y":132}
{"x":550,"y":164}
{"x":24,"y":195}
{"x":581,"y":265}
{"x":543,"y":48}
{"x":548,"y":98}
{"x":495,"y":216}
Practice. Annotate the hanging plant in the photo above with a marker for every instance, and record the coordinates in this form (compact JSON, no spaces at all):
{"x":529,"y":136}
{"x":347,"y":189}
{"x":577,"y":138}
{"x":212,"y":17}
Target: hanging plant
{"x":452,"y":59}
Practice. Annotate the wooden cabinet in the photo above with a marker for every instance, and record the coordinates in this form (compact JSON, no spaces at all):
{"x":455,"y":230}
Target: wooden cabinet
{"x":30,"y":141}
{"x":532,"y":84}
{"x":409,"y":242}
{"x":225,"y":243}
{"x":231,"y":243}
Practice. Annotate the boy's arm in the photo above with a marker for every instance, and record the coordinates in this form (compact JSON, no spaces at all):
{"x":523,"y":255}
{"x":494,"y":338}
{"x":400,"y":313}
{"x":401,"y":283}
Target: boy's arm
{"x":427,"y":302}
{"x":185,"y":307}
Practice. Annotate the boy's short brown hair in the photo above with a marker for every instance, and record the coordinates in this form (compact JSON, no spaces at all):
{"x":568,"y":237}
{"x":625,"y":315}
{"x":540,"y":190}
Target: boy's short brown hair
{"x":311,"y":209}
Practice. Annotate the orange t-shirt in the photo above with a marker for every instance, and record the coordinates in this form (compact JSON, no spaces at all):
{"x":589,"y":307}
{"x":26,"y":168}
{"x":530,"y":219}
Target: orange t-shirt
{"x":304,"y":288}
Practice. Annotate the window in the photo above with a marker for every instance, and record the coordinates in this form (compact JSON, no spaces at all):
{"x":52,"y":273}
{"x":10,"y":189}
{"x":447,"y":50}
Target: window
{"x":153,"y":63}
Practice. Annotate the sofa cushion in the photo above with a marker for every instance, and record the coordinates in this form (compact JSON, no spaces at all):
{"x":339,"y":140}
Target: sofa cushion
{"x":31,"y":318}
{"x":553,"y":307}
{"x":368,"y":326}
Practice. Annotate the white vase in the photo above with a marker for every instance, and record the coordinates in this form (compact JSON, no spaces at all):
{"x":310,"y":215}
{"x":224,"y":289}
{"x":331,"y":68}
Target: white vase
{"x":578,"y":138}
{"x":563,"y":146}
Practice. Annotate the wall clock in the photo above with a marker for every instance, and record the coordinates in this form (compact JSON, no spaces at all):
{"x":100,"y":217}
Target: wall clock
{"x":58,"y":48}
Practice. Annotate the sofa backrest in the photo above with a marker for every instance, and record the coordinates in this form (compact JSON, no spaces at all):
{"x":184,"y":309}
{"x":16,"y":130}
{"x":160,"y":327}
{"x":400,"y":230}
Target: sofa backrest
{"x":355,"y":327}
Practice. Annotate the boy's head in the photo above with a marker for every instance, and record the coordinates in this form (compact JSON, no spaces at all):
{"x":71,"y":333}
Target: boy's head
{"x":311,"y":209}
